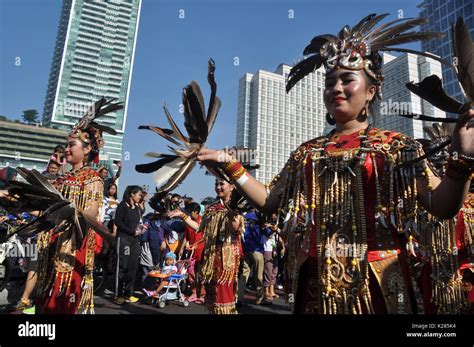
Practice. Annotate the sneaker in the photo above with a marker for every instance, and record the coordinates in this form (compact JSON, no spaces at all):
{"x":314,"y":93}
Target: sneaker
{"x":119,"y":300}
{"x":131,"y":299}
{"x":21,"y":305}
{"x":30,"y":310}
{"x":108,"y":292}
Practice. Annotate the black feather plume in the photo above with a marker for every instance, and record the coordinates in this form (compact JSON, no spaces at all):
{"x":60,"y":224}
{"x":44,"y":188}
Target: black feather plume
{"x":302,"y":69}
{"x":153,"y":166}
{"x":431,"y":90}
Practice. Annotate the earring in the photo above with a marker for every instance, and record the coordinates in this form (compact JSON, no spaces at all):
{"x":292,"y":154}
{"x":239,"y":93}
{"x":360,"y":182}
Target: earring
{"x":330,"y":119}
{"x":364,"y":113}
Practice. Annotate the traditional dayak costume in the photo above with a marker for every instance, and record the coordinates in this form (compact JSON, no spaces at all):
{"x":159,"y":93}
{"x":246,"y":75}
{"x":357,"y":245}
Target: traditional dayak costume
{"x":221,"y":257}
{"x":459,"y":231}
{"x":353,"y":221}
{"x":66,"y":251}
{"x":66,"y":264}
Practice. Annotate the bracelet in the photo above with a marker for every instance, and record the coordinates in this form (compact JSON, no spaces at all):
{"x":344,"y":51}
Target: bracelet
{"x":228,"y":165}
{"x":459,"y":157}
{"x":466,"y":158}
{"x":184,"y":216}
{"x":235,"y":170}
{"x":459,"y":170}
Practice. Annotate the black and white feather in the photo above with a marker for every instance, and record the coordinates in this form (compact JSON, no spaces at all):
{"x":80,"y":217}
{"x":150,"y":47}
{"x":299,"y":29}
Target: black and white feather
{"x":38,"y":194}
{"x":172,"y":168}
{"x":100,"y":108}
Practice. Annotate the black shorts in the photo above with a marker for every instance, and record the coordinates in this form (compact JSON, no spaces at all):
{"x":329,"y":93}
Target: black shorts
{"x":31,"y":265}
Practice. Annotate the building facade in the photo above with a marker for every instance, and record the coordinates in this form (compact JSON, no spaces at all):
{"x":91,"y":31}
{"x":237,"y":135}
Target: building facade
{"x":93,"y":58}
{"x":28,"y":146}
{"x":441,"y":15}
{"x":397,"y":99}
{"x":274,"y":123}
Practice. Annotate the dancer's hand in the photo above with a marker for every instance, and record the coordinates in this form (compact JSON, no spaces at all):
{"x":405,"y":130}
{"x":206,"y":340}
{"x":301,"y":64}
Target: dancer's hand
{"x":463,"y":138}
{"x":213,"y":156}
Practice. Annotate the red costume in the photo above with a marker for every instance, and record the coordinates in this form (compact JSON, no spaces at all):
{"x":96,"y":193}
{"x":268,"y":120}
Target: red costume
{"x":65,"y":268}
{"x":354,"y":225}
{"x":221,"y":258}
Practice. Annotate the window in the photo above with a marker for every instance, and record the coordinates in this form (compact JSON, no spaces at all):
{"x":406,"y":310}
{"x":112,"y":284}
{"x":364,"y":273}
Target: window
{"x":443,"y":11}
{"x":468,"y":10}
{"x":450,"y":6}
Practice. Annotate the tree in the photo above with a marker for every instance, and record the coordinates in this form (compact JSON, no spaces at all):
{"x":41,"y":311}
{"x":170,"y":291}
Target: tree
{"x":30,"y":116}
{"x":3,"y":118}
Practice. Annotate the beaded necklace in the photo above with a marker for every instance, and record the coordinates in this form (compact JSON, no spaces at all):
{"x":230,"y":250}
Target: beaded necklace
{"x":341,"y":222}
{"x":82,"y":187}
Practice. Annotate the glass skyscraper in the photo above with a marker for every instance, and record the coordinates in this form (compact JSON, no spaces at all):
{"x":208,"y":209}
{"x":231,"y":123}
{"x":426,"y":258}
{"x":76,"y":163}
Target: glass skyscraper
{"x":441,"y":15}
{"x":93,"y":57}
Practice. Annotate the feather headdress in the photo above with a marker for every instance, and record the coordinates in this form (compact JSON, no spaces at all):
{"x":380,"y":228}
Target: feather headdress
{"x":171,"y":169}
{"x":357,"y":48}
{"x":89,"y":131}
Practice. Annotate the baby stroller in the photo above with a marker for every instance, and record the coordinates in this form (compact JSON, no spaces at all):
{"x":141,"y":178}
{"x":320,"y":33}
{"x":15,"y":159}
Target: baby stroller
{"x":174,"y":290}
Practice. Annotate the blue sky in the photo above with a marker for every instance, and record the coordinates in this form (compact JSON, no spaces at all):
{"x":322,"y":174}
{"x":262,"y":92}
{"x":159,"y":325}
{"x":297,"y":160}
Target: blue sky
{"x":170,"y":52}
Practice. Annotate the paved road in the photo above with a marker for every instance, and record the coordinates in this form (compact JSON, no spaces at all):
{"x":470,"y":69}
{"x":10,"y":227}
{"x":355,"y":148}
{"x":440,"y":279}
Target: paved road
{"x":104,"y":304}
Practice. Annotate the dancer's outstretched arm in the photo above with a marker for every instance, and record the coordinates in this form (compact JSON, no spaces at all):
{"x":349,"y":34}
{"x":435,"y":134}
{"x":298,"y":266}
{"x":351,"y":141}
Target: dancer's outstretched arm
{"x":255,"y":191}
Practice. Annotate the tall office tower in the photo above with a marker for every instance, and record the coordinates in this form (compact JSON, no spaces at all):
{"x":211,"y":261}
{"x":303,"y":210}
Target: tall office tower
{"x":93,"y":57}
{"x":273,"y":122}
{"x":441,"y":15}
{"x":398,"y":99}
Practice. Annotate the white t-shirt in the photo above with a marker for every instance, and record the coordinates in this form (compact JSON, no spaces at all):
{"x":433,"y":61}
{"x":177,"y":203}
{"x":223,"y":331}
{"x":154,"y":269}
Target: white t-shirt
{"x":270,"y":243}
